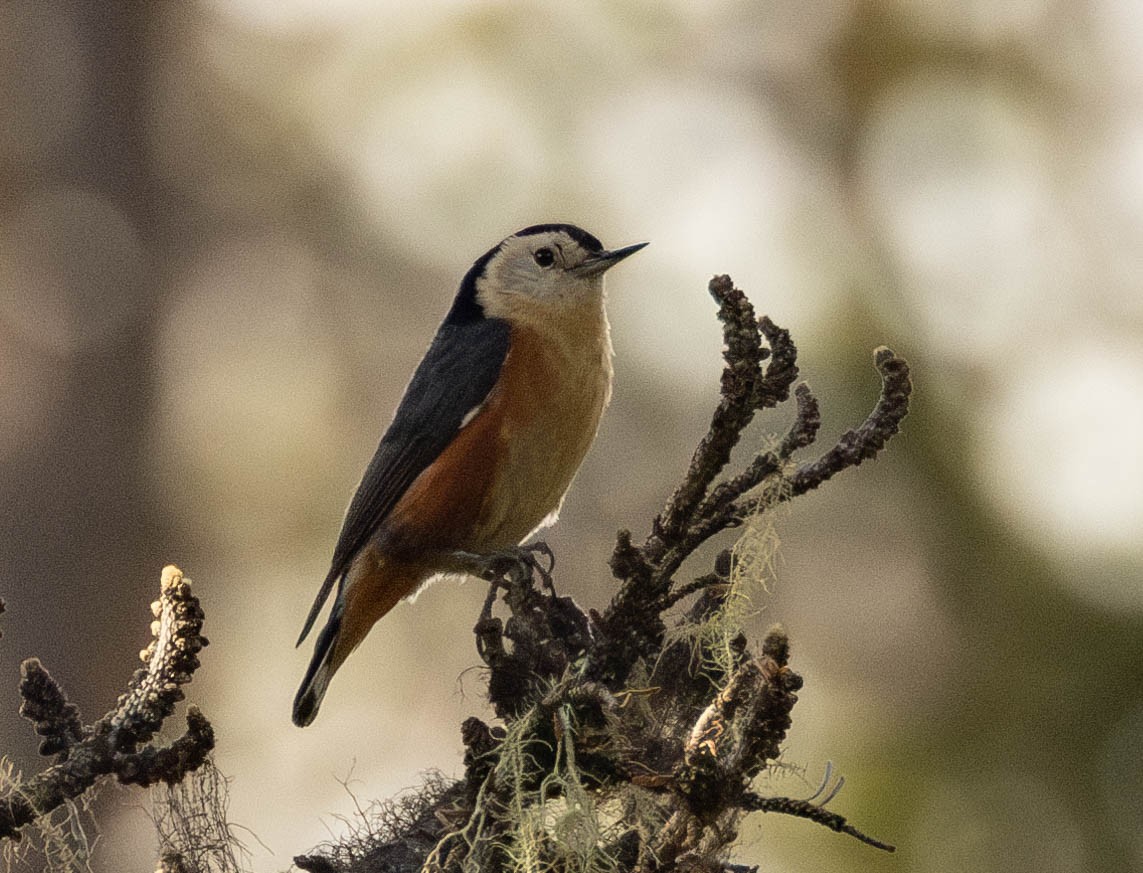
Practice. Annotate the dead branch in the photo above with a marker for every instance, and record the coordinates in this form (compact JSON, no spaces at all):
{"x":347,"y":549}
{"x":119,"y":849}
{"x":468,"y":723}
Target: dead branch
{"x":116,"y":744}
{"x":697,"y":511}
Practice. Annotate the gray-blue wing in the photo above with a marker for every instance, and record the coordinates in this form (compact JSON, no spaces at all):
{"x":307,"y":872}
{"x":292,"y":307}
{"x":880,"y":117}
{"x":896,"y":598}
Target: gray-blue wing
{"x":456,"y":375}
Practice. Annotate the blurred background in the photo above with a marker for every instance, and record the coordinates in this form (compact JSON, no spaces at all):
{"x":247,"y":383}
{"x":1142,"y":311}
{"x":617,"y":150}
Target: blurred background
{"x":228,"y":229}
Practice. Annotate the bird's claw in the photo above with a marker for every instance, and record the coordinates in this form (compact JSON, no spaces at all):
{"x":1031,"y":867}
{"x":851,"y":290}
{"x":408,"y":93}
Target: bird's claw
{"x":529,"y":555}
{"x":523,"y":562}
{"x":516,"y":564}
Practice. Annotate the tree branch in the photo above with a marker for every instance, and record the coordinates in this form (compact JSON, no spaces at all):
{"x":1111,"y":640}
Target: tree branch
{"x":113,"y":744}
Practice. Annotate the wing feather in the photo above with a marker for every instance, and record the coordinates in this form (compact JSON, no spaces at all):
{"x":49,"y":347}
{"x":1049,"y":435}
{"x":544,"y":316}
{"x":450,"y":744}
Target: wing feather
{"x":456,"y":375}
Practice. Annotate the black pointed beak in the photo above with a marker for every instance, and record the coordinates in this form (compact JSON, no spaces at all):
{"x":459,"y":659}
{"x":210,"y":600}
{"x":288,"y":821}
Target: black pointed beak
{"x":602,"y":261}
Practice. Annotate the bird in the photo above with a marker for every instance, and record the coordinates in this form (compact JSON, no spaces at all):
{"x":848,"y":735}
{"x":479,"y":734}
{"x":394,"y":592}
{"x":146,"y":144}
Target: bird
{"x":485,"y":442}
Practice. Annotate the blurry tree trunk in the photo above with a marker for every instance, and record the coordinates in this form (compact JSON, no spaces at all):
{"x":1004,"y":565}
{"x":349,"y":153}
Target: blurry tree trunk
{"x":75,"y":505}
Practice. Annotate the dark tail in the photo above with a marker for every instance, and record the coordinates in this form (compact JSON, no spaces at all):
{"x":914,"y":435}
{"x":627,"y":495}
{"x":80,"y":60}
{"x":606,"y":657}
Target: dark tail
{"x":320,"y":671}
{"x":323,"y":594}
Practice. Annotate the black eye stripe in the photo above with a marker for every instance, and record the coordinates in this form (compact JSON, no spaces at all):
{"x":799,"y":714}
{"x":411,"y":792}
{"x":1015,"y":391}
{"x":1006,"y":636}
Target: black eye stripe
{"x":544,"y":257}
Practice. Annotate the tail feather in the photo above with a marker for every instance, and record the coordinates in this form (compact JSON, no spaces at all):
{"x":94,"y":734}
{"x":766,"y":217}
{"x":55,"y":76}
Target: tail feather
{"x":319,"y":672}
{"x":334,"y":574}
{"x":370,"y":588}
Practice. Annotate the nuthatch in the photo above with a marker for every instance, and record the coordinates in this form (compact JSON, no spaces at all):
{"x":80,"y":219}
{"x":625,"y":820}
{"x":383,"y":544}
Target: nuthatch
{"x":486,"y":440}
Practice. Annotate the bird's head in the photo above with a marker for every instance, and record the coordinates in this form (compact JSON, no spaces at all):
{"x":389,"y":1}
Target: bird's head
{"x":543,"y":271}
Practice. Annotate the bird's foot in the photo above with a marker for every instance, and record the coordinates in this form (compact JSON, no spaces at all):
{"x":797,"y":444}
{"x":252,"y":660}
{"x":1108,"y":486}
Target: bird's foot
{"x":514,"y":565}
{"x":529,"y":556}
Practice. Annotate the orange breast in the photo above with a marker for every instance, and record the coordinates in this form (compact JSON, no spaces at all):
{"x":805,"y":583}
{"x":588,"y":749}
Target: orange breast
{"x":508,"y":468}
{"x":442,"y":506}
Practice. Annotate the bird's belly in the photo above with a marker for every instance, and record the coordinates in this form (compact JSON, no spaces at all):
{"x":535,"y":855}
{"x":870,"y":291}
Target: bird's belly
{"x":546,"y":431}
{"x":534,"y":476}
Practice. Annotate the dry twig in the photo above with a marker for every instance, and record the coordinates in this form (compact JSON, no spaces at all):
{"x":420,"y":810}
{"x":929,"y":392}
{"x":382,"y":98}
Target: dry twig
{"x":118,"y":743}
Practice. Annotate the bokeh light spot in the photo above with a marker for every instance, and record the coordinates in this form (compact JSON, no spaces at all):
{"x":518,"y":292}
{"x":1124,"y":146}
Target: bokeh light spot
{"x":956,"y":174}
{"x":704,"y":175}
{"x":447,"y":161}
{"x":1063,"y":447}
{"x":248,"y":397}
{"x":71,"y":270}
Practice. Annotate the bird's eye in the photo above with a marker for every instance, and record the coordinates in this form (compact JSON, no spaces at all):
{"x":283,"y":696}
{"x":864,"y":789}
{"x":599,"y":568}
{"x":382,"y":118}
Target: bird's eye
{"x":544,"y":257}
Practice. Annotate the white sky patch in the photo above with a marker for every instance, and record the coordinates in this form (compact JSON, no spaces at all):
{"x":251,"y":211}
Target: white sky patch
{"x":957,"y":174}
{"x":1062,"y":453}
{"x":1117,"y":25}
{"x":1110,"y":197}
{"x":299,"y":15}
{"x":979,"y":21}
{"x":447,"y":163}
{"x":704,"y":174}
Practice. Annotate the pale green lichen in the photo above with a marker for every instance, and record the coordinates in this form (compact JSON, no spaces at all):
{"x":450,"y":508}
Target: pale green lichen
{"x":60,"y":841}
{"x":752,"y":573}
